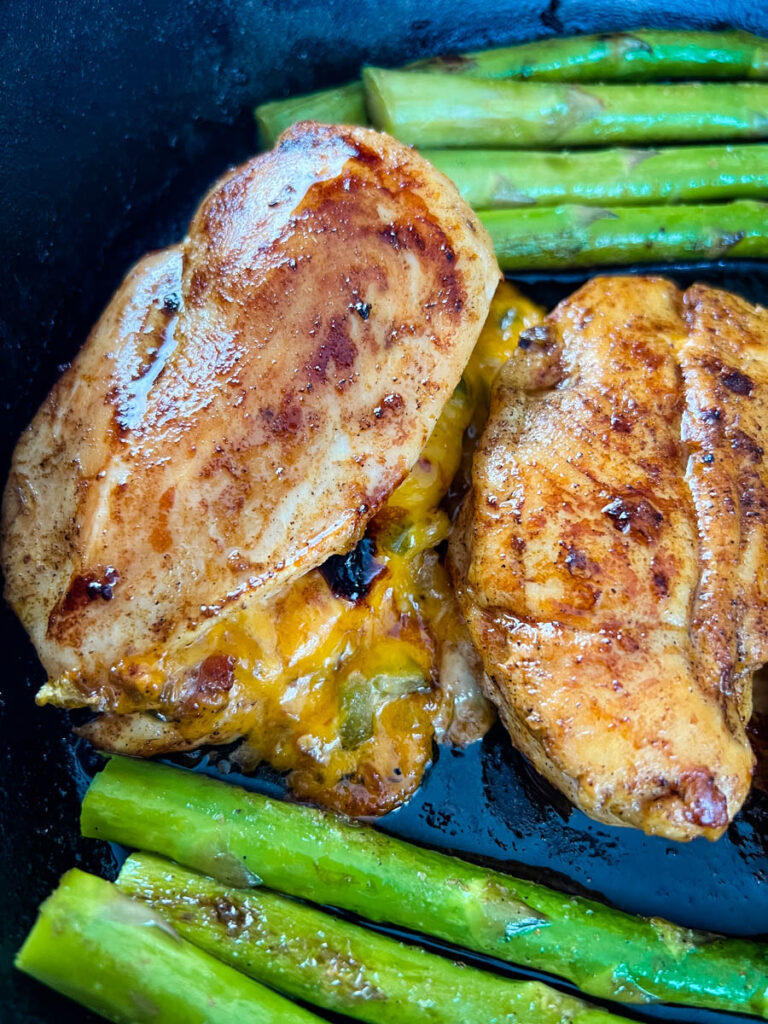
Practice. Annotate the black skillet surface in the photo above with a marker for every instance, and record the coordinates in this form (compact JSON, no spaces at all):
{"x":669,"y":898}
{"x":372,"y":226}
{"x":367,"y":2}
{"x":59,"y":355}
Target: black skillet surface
{"x":114,"y":117}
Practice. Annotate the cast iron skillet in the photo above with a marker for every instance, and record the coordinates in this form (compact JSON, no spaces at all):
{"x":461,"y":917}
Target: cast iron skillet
{"x":114,"y":118}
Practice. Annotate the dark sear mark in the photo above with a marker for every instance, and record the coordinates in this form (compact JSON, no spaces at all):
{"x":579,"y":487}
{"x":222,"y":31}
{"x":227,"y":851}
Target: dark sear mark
{"x":733,"y":379}
{"x":661,"y":584}
{"x":634,"y":516}
{"x":737,"y":381}
{"x":350,"y":576}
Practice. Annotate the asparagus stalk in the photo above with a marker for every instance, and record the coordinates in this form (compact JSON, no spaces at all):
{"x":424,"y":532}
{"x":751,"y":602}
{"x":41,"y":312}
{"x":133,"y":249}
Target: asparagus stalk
{"x":343,"y":104}
{"x":503,"y":179}
{"x":231,"y":834}
{"x":434,"y":110}
{"x":337,"y":965}
{"x":589,"y":236}
{"x":119,"y":958}
{"x":641,"y":56}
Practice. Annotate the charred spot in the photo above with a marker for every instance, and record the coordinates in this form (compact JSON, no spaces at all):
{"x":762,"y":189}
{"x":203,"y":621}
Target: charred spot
{"x":350,"y":576}
{"x":539,"y":335}
{"x":705,"y":804}
{"x":636,"y":517}
{"x":660,"y":583}
{"x":337,"y":347}
{"x":741,"y":442}
{"x":737,"y":381}
{"x":389,"y":403}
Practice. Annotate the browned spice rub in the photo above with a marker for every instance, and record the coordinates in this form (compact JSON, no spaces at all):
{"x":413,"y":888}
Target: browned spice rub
{"x":611,"y":558}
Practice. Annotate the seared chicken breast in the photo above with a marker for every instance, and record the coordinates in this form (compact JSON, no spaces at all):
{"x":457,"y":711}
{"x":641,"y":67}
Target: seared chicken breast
{"x":611,"y":557}
{"x":246,"y":403}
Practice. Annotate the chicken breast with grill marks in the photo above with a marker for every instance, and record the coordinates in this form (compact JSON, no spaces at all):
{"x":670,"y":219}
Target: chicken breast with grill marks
{"x":247,"y":401}
{"x":611,"y":557}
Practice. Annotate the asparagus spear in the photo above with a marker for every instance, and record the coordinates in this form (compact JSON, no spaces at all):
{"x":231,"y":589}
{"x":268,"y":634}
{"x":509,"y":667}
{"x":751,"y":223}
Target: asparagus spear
{"x":434,"y":110}
{"x":337,"y":965}
{"x":589,"y":236}
{"x":641,"y":56}
{"x":344,"y":104}
{"x":500,"y":179}
{"x":231,"y":834}
{"x":120,"y":959}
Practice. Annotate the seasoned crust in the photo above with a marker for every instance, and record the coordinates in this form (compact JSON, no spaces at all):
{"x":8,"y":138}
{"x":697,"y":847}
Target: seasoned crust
{"x":218,"y":434}
{"x":611,"y":558}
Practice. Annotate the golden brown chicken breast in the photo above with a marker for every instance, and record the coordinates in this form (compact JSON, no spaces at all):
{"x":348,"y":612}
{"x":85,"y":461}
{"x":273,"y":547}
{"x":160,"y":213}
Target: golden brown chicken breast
{"x":611,"y":558}
{"x":248,"y":400}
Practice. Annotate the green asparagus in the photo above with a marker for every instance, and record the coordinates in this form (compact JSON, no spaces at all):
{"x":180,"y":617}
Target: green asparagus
{"x":343,"y":104}
{"x":550,"y":237}
{"x":433,"y":111}
{"x":119,"y":958}
{"x":244,"y":838}
{"x":337,"y":965}
{"x":503,"y":179}
{"x":641,"y":56}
